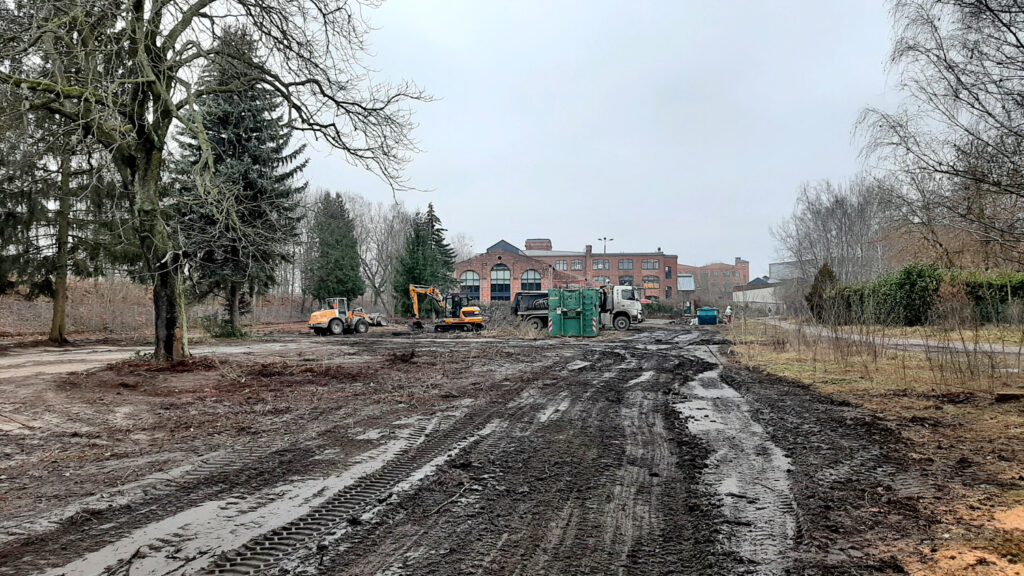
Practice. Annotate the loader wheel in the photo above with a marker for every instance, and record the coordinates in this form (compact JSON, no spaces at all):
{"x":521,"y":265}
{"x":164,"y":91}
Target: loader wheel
{"x":362,"y":327}
{"x":335,"y":327}
{"x":537,"y":323}
{"x":621,"y":322}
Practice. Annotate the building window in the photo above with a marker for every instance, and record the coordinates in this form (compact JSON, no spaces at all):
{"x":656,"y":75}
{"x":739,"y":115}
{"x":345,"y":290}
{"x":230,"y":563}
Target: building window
{"x":625,"y":280}
{"x":577,"y":264}
{"x":668,"y":272}
{"x":501,"y":283}
{"x":560,"y":265}
{"x":625,"y":264}
{"x":649,"y":264}
{"x":469,"y":284}
{"x":714,"y":273}
{"x":602,"y":279}
{"x":652,"y":282}
{"x":668,"y":291}
{"x":601,"y":265}
{"x":531,"y":280}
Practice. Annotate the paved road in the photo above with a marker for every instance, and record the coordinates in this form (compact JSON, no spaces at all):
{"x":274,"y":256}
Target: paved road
{"x":903,"y":343}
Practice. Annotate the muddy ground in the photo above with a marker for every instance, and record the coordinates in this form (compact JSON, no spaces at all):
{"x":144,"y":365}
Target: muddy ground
{"x":450,"y":455}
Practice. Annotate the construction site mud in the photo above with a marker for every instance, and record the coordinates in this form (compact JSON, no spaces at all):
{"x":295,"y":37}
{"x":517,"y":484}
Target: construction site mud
{"x":645,"y":454}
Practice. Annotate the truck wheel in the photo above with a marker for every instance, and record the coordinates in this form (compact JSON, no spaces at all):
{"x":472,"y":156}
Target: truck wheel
{"x":362,"y":327}
{"x":335,"y":327}
{"x":621,"y":323}
{"x":537,"y":323}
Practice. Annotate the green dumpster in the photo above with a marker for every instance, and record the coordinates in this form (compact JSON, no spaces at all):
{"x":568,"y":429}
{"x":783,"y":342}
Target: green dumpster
{"x":573,"y":312}
{"x":707,"y":316}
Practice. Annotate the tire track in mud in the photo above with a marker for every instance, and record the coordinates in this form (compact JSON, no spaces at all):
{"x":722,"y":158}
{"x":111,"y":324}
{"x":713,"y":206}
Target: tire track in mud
{"x":747,"y":471}
{"x":248,"y":467}
{"x":292,"y":546}
{"x":605,"y":484}
{"x":524,"y":413}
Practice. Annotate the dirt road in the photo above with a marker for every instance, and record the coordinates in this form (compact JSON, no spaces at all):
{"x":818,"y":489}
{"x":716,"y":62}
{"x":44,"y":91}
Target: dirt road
{"x":450,"y":455}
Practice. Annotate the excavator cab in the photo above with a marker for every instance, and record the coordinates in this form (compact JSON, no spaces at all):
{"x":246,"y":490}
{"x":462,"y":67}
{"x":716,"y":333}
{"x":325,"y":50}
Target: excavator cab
{"x":457,"y":313}
{"x":453,"y":304}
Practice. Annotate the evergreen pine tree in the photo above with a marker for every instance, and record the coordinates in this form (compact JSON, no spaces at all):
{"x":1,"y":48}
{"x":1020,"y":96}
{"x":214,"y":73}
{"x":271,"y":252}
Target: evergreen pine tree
{"x":442,"y":254}
{"x":824,"y":281}
{"x":236,"y":227}
{"x":427,"y":260}
{"x":332,"y":269}
{"x":56,"y":209}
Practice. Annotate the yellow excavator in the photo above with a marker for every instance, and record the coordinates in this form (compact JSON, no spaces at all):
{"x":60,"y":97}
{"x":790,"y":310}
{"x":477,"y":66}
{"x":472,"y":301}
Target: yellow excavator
{"x":458,"y":314}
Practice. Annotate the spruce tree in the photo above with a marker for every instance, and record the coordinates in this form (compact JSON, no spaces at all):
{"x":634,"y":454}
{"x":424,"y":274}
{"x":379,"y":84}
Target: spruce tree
{"x":427,"y":259}
{"x":235,"y":227}
{"x":442,"y":256}
{"x":57,"y":209}
{"x":332,"y":269}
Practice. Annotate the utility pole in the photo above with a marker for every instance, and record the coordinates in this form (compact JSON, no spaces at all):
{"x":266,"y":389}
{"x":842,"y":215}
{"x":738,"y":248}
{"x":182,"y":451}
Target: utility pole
{"x":605,"y":240}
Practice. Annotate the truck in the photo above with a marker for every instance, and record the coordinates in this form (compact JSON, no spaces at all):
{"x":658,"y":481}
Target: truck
{"x":620,"y":307}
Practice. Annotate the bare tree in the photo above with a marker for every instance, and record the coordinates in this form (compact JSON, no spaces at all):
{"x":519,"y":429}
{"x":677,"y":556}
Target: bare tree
{"x":124,"y":73}
{"x":838,"y":224}
{"x":462,"y":244}
{"x":381,"y":228}
{"x":956,"y":145}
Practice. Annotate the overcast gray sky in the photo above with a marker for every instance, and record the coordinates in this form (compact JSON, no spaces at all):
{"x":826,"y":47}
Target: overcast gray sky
{"x":685,"y":125}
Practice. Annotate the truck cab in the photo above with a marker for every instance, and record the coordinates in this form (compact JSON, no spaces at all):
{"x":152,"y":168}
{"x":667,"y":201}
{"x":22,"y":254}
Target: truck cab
{"x":620,"y":306}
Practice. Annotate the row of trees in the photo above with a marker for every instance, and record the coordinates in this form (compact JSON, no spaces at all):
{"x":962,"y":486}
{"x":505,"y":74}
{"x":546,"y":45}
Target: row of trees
{"x":156,"y":139}
{"x":947,"y":184}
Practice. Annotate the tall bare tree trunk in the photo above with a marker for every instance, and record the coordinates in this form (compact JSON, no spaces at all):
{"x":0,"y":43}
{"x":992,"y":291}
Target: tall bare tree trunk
{"x":161,"y":262}
{"x":234,"y":306}
{"x":58,"y":322}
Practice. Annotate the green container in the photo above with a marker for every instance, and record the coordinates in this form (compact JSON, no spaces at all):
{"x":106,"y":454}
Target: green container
{"x":707,"y":316}
{"x":574,"y":312}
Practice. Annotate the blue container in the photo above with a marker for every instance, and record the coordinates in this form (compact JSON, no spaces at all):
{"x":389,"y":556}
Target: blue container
{"x":707,"y":316}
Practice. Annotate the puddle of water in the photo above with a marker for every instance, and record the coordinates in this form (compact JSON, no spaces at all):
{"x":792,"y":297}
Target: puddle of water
{"x":746,"y":469}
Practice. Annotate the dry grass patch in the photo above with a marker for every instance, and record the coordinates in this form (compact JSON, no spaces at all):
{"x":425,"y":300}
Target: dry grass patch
{"x":946,"y":411}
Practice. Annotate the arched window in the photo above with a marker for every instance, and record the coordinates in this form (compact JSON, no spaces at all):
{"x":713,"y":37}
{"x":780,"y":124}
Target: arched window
{"x":469,"y":284}
{"x":501,"y":283}
{"x":531,"y":280}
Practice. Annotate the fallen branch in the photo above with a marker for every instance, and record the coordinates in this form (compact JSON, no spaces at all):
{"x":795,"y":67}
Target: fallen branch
{"x":16,"y":421}
{"x":450,"y":500}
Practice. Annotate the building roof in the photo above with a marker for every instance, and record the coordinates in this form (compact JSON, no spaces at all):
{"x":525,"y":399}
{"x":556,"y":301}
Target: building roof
{"x":758,"y":281}
{"x":506,"y":246}
{"x":685,"y":283}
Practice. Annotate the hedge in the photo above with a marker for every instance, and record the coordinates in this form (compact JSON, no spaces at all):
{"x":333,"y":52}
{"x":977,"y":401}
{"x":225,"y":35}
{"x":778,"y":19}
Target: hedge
{"x":908,"y":296}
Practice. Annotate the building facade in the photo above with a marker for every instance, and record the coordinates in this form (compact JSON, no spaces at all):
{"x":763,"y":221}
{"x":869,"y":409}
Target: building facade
{"x":504,"y":269}
{"x":714,"y":282}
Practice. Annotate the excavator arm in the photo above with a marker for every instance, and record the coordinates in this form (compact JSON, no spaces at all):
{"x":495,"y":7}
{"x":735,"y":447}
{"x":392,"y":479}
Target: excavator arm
{"x":415,"y":290}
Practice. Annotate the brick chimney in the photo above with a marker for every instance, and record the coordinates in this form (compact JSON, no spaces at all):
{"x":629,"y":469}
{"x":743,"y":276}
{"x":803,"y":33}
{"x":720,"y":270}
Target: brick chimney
{"x":538,"y":244}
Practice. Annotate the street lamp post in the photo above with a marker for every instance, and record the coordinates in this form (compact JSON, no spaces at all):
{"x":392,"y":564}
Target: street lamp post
{"x":605,"y":241}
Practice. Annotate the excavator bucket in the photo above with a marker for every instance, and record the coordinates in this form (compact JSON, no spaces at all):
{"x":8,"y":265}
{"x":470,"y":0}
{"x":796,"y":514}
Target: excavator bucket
{"x":417,"y":324}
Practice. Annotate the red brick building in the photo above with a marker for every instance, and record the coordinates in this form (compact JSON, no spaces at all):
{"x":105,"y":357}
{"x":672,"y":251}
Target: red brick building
{"x":503,"y":270}
{"x":714,"y":282}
